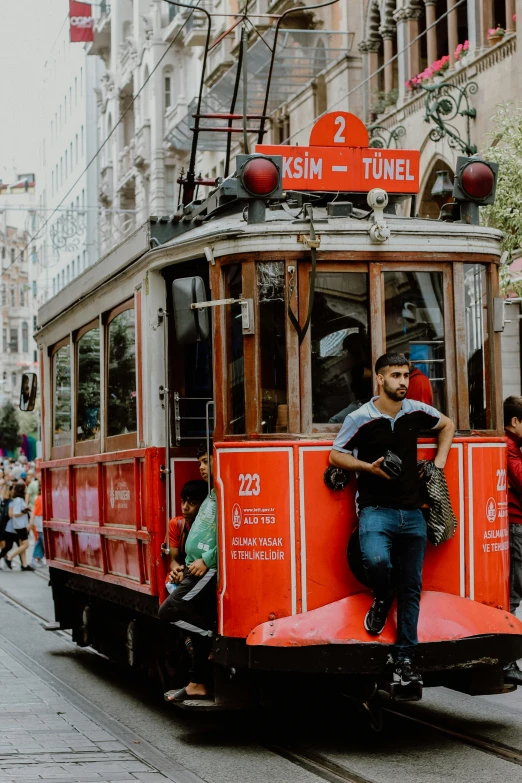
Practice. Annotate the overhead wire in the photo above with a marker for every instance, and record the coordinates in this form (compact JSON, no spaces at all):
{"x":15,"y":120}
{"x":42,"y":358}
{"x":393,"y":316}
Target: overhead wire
{"x":287,"y":140}
{"x":102,"y":145}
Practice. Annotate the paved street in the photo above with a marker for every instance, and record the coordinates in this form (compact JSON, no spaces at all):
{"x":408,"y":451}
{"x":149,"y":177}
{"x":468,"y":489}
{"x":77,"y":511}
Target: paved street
{"x":69,"y":715}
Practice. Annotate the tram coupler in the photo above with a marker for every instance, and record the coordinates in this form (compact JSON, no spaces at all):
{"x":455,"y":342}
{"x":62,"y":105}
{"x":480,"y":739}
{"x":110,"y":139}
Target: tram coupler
{"x":398,"y":692}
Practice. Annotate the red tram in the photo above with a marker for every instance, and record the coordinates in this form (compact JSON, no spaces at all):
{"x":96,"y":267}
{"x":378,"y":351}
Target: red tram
{"x":293,"y":303}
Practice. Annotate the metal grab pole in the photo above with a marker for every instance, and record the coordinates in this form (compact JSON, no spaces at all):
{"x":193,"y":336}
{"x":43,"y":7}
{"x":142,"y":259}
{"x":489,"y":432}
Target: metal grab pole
{"x":166,"y":406}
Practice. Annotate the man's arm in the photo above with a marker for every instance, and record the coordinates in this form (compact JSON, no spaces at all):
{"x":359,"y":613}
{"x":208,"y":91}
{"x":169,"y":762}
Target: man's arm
{"x":348,"y":462}
{"x":514,"y":467}
{"x":446,"y":430}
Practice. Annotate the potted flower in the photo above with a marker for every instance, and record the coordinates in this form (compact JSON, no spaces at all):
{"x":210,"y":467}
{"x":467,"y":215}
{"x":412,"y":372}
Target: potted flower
{"x":460,"y":53}
{"x":495,"y":34}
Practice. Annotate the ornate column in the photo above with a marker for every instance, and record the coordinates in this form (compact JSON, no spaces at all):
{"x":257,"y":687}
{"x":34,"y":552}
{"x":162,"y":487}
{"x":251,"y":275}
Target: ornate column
{"x":431,"y":16}
{"x":387,"y":37}
{"x":370,"y":50}
{"x":413,"y":45}
{"x":453,"y":35}
{"x":474,"y":18}
{"x":401,"y":20}
{"x":510,"y":10}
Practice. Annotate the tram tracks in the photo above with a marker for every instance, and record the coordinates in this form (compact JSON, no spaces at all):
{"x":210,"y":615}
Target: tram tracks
{"x":315,"y":762}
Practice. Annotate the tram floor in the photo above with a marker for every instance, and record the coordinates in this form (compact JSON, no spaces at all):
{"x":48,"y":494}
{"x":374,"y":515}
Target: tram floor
{"x":329,"y":742}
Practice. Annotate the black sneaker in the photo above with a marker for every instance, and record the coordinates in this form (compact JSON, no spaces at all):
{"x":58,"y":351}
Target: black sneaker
{"x":405,"y":673}
{"x":375,"y":619}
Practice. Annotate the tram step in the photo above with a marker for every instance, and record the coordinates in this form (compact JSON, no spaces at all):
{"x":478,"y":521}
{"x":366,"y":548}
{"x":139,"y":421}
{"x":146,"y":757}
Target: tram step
{"x":399,"y":692}
{"x":206,"y":705}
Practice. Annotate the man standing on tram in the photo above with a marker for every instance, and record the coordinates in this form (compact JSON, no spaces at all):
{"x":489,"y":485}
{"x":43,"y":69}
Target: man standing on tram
{"x":390,"y":508}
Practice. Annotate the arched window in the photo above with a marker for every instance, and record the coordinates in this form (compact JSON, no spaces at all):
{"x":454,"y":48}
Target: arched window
{"x":168,"y":92}
{"x":3,"y":295}
{"x":12,"y":296}
{"x":22,"y":296}
{"x":13,"y":380}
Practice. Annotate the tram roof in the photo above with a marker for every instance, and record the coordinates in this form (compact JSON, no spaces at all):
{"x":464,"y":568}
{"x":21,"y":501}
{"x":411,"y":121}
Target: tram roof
{"x":282,"y":232}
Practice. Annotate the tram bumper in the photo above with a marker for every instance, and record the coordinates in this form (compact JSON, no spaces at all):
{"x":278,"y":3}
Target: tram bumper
{"x":455,"y":634}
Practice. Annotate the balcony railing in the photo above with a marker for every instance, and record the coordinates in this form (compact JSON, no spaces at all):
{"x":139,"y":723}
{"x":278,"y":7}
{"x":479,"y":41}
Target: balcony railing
{"x":487,"y":59}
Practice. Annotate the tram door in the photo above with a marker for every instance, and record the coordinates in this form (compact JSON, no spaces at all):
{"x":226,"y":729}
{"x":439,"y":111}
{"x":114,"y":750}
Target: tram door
{"x":189,"y":372}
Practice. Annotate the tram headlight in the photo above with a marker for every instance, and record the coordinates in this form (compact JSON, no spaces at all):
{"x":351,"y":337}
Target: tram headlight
{"x":475,"y":180}
{"x":259,"y":176}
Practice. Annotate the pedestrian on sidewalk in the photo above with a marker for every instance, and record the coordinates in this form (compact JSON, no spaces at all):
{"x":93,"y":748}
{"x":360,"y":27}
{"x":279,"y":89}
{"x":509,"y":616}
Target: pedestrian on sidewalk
{"x":5,"y":500}
{"x":513,"y":431}
{"x":37,"y":523}
{"x":18,"y":525}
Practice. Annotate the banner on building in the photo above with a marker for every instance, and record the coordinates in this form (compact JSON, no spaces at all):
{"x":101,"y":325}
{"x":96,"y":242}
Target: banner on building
{"x":81,"y":21}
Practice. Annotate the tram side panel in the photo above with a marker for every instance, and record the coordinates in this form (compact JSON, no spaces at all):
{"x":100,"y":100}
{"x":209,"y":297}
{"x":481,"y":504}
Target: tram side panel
{"x":104,"y":516}
{"x":283,"y":535}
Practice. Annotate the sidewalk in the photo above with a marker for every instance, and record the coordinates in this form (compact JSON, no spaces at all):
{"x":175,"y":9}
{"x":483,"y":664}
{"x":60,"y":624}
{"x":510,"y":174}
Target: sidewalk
{"x":43,"y":737}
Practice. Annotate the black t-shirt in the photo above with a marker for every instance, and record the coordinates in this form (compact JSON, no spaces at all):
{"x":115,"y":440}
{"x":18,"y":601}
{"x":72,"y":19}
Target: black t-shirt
{"x":368,"y":434}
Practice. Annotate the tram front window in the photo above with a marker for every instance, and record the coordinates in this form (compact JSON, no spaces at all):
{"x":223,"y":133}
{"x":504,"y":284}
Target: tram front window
{"x":341,"y":355}
{"x":475,"y":302}
{"x":414,"y":313}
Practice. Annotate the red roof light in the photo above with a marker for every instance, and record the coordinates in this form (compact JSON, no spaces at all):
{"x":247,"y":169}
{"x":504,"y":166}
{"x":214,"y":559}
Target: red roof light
{"x":260,"y":176}
{"x":477,"y":180}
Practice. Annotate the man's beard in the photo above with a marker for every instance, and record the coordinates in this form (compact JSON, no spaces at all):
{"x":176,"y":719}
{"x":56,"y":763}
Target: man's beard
{"x":396,"y":396}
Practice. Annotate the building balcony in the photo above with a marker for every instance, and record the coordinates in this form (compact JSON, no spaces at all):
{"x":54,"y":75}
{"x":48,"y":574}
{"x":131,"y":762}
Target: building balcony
{"x":106,"y":185}
{"x":220,"y":60}
{"x":176,"y":21}
{"x":126,"y":164}
{"x":142,"y":146}
{"x":102,"y":29}
{"x":491,"y":68}
{"x":127,"y":61}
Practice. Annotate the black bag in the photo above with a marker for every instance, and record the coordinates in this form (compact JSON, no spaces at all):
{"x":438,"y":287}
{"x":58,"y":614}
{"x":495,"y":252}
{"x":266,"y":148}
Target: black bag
{"x":440,"y":519}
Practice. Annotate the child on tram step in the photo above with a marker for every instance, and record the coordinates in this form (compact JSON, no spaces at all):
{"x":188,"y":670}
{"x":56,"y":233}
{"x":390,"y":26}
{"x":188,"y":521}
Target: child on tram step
{"x":390,"y":508}
{"x":513,"y":430}
{"x":192,"y":606}
{"x":193,"y":494}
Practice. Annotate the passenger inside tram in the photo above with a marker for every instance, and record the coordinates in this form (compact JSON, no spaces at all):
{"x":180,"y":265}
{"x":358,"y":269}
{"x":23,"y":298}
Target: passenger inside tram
{"x":192,"y":606}
{"x":193,"y":493}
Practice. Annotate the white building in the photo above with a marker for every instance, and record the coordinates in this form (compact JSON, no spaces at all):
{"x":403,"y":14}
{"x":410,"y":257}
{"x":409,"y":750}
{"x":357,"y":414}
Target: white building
{"x":68,"y":190}
{"x":18,"y":285}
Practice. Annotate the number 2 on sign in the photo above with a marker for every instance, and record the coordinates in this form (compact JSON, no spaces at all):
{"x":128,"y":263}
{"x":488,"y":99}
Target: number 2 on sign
{"x":249,"y":484}
{"x":339,"y":137}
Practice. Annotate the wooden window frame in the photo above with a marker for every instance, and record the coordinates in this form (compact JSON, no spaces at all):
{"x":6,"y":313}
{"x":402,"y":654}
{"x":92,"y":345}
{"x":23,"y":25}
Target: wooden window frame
{"x":323,"y":265}
{"x":449,"y":325}
{"x":66,"y":450}
{"x":129,"y":440}
{"x":93,"y":445}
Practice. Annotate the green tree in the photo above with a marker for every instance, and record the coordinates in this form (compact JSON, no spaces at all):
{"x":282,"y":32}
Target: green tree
{"x":505,"y":148}
{"x":9,"y":428}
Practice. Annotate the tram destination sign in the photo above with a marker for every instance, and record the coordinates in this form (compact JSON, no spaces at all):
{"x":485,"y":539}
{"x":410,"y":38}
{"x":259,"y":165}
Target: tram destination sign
{"x":338,"y":158}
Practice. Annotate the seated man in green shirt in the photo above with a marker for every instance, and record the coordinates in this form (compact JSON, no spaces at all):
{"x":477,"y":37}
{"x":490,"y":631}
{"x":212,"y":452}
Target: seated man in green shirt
{"x":192,"y":607}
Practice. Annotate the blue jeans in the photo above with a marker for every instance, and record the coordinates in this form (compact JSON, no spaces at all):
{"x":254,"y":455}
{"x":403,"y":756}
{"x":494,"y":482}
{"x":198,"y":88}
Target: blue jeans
{"x":379,"y":529}
{"x":38,"y":551}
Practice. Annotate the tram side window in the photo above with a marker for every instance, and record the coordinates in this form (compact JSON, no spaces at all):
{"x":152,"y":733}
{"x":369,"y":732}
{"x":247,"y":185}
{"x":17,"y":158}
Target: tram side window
{"x":414,"y":312}
{"x":88,"y":400}
{"x":235,"y":360}
{"x":272,"y":320}
{"x":475,"y":297}
{"x":62,"y":396}
{"x":121,"y":375}
{"x":341,"y":354}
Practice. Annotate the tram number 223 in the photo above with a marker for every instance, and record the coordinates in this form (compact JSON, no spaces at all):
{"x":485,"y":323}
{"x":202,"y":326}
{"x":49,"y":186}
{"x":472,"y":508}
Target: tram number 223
{"x":249,"y":484}
{"x":501,"y":479}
